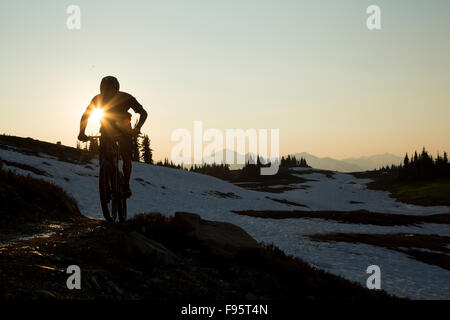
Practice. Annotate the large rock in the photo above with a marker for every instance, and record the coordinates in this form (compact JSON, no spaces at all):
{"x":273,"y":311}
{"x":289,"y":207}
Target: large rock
{"x":223,"y":238}
{"x":142,"y":247}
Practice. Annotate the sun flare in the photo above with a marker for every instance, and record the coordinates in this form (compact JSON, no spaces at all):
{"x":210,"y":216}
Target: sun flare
{"x":97,"y":114}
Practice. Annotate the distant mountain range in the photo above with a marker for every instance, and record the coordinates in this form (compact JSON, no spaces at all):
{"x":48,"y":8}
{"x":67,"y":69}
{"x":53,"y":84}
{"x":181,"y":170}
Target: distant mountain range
{"x":351,"y":164}
{"x":375,"y":161}
{"x":344,"y":165}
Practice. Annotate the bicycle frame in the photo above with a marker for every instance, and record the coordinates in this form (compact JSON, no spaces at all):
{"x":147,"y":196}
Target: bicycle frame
{"x":111,"y":176}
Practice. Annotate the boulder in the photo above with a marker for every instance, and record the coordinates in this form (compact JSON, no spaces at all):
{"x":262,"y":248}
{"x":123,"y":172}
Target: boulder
{"x":223,"y":238}
{"x":142,"y":247}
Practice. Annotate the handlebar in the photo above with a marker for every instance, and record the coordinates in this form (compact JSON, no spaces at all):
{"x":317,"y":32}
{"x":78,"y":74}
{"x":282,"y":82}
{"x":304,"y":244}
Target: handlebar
{"x":90,"y":138}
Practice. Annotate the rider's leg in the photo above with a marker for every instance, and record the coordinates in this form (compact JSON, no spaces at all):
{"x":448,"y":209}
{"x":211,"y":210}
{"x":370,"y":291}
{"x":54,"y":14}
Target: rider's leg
{"x":105,"y":145}
{"x":127,"y":163}
{"x":127,"y":166}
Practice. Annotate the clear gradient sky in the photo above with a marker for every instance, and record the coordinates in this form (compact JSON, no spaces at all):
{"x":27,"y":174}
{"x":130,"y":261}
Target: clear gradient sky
{"x":310,"y":68}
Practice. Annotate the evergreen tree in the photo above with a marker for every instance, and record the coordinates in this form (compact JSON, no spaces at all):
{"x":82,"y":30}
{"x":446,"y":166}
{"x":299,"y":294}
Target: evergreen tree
{"x":147,"y":154}
{"x":406,"y":160}
{"x":93,"y":146}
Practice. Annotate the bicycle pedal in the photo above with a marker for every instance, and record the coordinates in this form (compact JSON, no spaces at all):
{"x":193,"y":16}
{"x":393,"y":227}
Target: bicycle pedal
{"x":126,"y":193}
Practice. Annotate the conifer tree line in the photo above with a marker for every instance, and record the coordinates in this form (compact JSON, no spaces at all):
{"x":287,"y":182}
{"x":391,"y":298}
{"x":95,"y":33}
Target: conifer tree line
{"x":253,"y":170}
{"x":422,"y":167}
{"x":142,"y":152}
{"x":221,"y":171}
{"x":292,"y":162}
{"x":250,"y":169}
{"x":170,"y":164}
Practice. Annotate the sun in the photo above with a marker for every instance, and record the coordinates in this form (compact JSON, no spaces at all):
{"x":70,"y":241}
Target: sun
{"x":97,"y":114}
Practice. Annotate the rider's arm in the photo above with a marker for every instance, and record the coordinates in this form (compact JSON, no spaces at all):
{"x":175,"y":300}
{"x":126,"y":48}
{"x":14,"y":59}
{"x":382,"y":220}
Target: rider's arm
{"x":137,"y":107}
{"x":85,"y":117}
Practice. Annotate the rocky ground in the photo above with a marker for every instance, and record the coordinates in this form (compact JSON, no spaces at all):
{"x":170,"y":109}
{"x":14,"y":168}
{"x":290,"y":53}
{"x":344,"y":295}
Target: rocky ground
{"x":42,"y":233}
{"x":159,"y":258}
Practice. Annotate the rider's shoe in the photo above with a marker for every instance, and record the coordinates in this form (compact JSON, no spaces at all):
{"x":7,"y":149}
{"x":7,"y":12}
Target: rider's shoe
{"x":127,"y":191}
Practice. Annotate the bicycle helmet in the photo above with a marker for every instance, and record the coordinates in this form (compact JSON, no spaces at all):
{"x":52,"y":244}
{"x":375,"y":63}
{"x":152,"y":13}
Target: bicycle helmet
{"x":109,"y":85}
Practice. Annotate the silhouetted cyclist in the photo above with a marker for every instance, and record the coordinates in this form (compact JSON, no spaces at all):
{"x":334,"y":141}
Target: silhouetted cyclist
{"x":116,"y":121}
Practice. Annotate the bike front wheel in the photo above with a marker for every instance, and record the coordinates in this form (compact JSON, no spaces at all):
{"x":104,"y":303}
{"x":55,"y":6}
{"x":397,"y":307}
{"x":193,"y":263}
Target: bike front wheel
{"x":109,"y":195}
{"x":122,"y":203}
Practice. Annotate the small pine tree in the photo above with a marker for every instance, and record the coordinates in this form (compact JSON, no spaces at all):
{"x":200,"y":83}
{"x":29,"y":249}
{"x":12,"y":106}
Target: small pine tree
{"x":406,"y":160}
{"x":93,"y":146}
{"x":147,"y":152}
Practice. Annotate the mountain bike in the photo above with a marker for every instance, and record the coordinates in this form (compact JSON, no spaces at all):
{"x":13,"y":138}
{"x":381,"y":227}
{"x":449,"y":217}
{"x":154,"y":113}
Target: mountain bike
{"x":111,"y":183}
